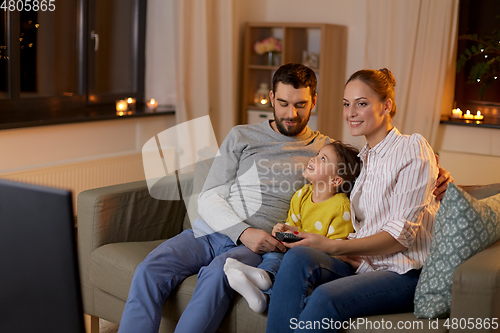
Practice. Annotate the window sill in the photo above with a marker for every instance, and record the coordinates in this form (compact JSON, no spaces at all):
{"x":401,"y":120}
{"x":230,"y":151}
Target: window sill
{"x":91,"y":114}
{"x":486,"y":123}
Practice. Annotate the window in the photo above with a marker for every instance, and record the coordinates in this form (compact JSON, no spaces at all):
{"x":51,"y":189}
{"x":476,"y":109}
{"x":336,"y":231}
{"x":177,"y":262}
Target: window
{"x":71,"y":63}
{"x":476,"y":17}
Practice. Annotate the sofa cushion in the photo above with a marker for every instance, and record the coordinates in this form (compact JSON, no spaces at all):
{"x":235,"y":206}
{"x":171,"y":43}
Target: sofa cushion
{"x":113,"y":265}
{"x":176,"y":304}
{"x":464,"y":226}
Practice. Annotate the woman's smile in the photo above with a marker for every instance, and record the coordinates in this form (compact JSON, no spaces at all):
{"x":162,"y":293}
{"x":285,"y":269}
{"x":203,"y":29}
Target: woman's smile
{"x":355,"y":123}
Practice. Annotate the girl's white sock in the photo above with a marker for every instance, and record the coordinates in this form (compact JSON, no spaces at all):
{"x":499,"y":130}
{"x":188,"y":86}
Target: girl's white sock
{"x":259,"y":277}
{"x":241,"y":284}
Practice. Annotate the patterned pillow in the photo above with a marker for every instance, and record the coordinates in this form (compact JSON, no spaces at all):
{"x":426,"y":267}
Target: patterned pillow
{"x":463,"y":227}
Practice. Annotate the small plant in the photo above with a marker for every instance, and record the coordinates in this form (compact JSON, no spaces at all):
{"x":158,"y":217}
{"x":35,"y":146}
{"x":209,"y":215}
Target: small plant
{"x":486,"y":52}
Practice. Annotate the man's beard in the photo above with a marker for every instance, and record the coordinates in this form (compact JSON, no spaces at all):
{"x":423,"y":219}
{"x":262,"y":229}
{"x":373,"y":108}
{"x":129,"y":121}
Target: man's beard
{"x":296,"y":130}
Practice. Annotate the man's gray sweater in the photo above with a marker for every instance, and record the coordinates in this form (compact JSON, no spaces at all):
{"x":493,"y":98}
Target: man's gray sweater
{"x":254,"y":176}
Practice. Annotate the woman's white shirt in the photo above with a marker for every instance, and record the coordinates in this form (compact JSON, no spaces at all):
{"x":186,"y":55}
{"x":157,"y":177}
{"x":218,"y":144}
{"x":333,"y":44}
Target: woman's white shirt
{"x":397,"y":180}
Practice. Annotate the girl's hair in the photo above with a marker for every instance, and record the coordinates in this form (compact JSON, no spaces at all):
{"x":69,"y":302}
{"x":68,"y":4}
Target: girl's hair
{"x":348,"y":165}
{"x":381,"y":81}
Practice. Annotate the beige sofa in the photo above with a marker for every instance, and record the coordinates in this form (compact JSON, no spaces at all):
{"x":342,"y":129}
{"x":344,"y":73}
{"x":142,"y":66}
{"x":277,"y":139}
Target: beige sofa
{"x":119,"y":225}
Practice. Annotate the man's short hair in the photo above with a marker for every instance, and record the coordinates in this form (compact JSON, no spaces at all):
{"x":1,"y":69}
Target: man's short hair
{"x":296,"y":75}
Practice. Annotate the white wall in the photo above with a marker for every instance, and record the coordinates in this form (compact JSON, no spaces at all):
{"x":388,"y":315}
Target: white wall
{"x":470,"y":154}
{"x":45,"y":146}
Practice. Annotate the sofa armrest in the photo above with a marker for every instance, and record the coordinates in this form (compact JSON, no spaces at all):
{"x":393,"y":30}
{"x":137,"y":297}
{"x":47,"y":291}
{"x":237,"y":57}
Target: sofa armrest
{"x":125,"y":213}
{"x":481,"y":191}
{"x":476,"y":286}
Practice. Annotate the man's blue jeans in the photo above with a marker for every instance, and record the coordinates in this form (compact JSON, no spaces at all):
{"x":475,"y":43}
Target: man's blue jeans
{"x":167,"y":266}
{"x":313,"y":286}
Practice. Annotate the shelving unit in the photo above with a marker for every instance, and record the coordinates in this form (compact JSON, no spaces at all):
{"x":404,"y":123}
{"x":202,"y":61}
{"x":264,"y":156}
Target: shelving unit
{"x":328,"y":41}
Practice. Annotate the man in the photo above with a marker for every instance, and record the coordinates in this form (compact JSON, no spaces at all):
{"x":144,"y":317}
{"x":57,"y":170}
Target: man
{"x":247,"y":191}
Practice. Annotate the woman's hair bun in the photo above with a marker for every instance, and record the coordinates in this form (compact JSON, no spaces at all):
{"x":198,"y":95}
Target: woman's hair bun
{"x":389,"y":77}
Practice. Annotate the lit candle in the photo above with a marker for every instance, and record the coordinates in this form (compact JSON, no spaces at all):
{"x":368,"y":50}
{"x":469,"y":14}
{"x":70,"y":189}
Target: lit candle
{"x":456,"y":113}
{"x":121,"y":105}
{"x":479,"y":116}
{"x":468,"y":115}
{"x":131,"y":104}
{"x":152,"y":105}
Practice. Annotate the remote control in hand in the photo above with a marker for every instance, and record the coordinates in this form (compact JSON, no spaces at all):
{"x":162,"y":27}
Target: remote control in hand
{"x":287,"y":237}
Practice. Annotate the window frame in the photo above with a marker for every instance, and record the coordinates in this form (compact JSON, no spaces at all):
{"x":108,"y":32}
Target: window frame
{"x":25,"y":112}
{"x":466,"y":95}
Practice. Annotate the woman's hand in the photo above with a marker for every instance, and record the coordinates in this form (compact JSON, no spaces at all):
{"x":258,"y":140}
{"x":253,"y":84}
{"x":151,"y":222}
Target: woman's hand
{"x":315,"y":241}
{"x":378,"y":244}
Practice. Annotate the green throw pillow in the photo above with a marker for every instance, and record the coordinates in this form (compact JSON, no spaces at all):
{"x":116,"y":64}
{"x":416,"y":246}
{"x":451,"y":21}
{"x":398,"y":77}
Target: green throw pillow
{"x":464,"y":226}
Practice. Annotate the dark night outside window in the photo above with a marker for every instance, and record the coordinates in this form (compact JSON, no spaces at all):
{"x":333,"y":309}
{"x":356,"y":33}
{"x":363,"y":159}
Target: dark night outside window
{"x":476,"y":17}
{"x":51,"y":69}
{"x":48,"y":52}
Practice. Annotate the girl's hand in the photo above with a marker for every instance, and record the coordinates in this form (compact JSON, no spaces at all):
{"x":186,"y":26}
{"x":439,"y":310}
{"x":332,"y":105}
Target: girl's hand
{"x":281,"y":227}
{"x":315,"y":241}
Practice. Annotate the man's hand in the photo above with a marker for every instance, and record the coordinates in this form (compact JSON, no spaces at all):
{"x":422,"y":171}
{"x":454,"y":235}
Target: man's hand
{"x":444,"y":178}
{"x":260,"y":241}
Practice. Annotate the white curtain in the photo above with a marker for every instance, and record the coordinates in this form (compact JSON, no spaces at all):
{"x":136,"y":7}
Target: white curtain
{"x":416,"y":40}
{"x":206,"y":65}
{"x":192,"y":63}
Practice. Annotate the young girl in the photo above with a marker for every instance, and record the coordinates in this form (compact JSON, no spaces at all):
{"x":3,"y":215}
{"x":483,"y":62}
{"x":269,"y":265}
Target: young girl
{"x":393,"y":211}
{"x":321,"y":207}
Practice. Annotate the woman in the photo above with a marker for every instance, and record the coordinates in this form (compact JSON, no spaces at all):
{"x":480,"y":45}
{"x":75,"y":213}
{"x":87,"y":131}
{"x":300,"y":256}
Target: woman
{"x":376,"y":270}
